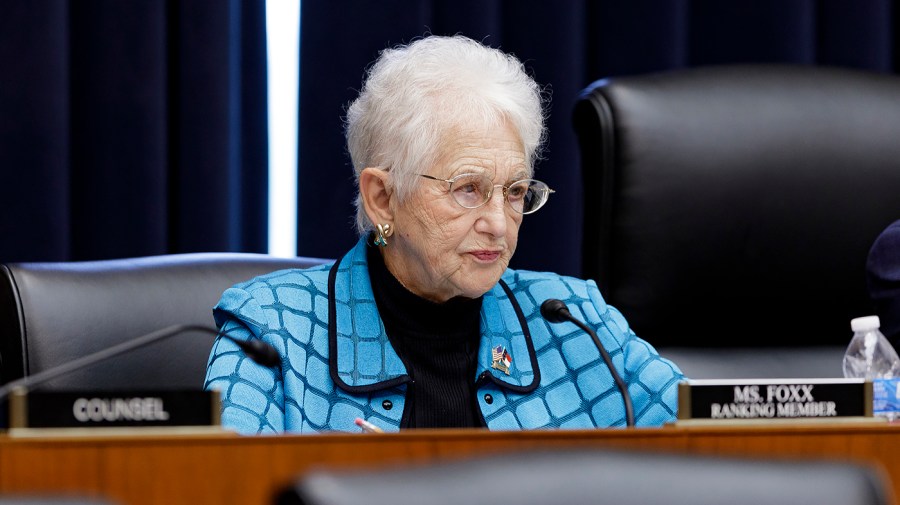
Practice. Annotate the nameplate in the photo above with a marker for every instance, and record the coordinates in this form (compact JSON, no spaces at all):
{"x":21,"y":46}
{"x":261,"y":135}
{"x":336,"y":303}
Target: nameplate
{"x":746,"y":399}
{"x":82,"y":409}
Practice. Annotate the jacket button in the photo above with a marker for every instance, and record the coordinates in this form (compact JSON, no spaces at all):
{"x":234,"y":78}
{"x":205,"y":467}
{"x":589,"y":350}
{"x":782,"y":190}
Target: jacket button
{"x":488,"y":399}
{"x":387,"y":405}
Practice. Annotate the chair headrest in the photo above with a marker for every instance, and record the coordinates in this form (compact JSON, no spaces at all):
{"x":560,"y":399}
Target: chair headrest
{"x":741,"y":198}
{"x":52,"y":313}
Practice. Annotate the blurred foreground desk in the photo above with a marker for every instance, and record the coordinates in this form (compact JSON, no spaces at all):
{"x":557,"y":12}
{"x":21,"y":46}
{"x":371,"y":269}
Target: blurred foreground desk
{"x":223,"y":468}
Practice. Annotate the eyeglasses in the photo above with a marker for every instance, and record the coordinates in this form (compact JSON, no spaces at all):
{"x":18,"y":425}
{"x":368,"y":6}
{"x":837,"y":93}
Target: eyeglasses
{"x":471,"y":191}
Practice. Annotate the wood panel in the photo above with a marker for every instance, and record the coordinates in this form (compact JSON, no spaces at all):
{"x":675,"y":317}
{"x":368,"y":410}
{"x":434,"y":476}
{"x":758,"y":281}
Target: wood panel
{"x":152,"y":467}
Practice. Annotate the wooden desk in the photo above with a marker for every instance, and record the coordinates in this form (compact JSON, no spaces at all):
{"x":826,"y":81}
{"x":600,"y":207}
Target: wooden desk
{"x":224,"y":468}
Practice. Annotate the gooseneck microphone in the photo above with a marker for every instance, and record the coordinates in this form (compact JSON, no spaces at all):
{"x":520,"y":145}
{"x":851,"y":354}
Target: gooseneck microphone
{"x":259,"y":351}
{"x":556,"y":311}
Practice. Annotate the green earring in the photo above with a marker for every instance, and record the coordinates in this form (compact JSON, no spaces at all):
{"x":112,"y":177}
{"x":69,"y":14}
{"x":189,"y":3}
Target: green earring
{"x":384,"y":231}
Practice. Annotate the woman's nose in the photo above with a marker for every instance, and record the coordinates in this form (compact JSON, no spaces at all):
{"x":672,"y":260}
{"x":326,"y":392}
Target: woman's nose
{"x":493,"y":216}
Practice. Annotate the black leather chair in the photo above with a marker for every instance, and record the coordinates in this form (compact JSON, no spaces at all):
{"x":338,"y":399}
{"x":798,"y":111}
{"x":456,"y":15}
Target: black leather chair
{"x":732,"y":208}
{"x":597,"y":477}
{"x":53,"y":313}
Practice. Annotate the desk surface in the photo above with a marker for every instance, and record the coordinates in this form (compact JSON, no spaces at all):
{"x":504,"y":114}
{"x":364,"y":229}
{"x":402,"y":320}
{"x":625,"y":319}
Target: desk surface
{"x":157,"y":467}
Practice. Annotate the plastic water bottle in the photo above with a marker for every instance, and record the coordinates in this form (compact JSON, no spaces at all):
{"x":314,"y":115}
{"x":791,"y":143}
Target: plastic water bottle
{"x":870,"y":356}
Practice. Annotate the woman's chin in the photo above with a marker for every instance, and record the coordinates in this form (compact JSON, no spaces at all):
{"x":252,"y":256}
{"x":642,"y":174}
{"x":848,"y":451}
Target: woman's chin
{"x":478,"y":284}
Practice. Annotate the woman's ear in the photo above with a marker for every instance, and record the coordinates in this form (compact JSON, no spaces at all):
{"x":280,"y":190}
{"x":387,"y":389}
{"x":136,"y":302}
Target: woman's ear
{"x":376,"y":195}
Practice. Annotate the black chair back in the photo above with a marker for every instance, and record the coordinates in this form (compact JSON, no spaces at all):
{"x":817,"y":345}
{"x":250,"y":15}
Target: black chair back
{"x":598,"y":477}
{"x":53,"y":313}
{"x":735,"y":206}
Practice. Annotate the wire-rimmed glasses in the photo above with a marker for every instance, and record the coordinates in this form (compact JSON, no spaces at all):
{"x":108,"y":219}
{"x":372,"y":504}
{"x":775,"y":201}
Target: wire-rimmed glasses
{"x":471,"y":191}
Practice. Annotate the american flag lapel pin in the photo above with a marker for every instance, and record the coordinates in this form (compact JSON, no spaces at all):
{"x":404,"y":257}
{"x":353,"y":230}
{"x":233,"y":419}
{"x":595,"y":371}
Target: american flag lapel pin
{"x":500,"y":359}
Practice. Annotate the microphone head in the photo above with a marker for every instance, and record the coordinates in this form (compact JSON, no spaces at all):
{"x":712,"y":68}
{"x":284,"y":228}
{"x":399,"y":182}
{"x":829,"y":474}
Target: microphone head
{"x":555,"y":310}
{"x":264,"y":354}
{"x":260,"y":352}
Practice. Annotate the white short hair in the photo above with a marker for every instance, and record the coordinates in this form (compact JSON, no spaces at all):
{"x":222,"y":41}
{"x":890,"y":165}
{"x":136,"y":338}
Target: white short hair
{"x":415,"y":95}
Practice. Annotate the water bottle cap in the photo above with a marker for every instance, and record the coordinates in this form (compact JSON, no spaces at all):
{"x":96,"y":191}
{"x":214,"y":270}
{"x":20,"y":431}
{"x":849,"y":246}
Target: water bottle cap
{"x":865,"y":323}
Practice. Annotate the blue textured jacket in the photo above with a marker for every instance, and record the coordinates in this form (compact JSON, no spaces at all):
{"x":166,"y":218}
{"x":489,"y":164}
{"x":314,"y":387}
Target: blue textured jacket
{"x":337,"y":363}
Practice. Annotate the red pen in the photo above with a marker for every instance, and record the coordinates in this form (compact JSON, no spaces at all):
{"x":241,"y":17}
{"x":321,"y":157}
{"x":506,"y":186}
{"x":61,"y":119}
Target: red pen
{"x":367,"y":426}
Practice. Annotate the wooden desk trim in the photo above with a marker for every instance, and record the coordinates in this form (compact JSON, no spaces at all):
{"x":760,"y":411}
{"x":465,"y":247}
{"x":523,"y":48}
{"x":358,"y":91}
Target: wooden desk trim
{"x":144,"y":468}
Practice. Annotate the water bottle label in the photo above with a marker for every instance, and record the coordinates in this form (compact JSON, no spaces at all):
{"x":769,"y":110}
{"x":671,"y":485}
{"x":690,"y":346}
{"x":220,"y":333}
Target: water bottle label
{"x":886,"y":397}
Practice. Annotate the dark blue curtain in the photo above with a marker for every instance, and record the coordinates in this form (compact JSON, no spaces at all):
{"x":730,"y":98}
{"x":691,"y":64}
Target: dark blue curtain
{"x":131,"y":128}
{"x":566,"y":45}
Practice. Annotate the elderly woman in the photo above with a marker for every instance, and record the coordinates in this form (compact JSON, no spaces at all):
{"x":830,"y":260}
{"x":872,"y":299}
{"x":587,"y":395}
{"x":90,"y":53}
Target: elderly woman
{"x":422,"y":324}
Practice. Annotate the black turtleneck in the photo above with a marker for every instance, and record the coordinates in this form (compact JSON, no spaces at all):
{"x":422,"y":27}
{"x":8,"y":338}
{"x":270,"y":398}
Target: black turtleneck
{"x":438,"y":343}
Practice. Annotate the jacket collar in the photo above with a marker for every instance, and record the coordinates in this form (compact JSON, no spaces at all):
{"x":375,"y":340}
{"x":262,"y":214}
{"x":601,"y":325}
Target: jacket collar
{"x":361,"y":358}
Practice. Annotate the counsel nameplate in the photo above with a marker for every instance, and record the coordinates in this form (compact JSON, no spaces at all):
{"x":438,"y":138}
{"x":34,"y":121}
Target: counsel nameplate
{"x":80,"y":409}
{"x":774,"y":399}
